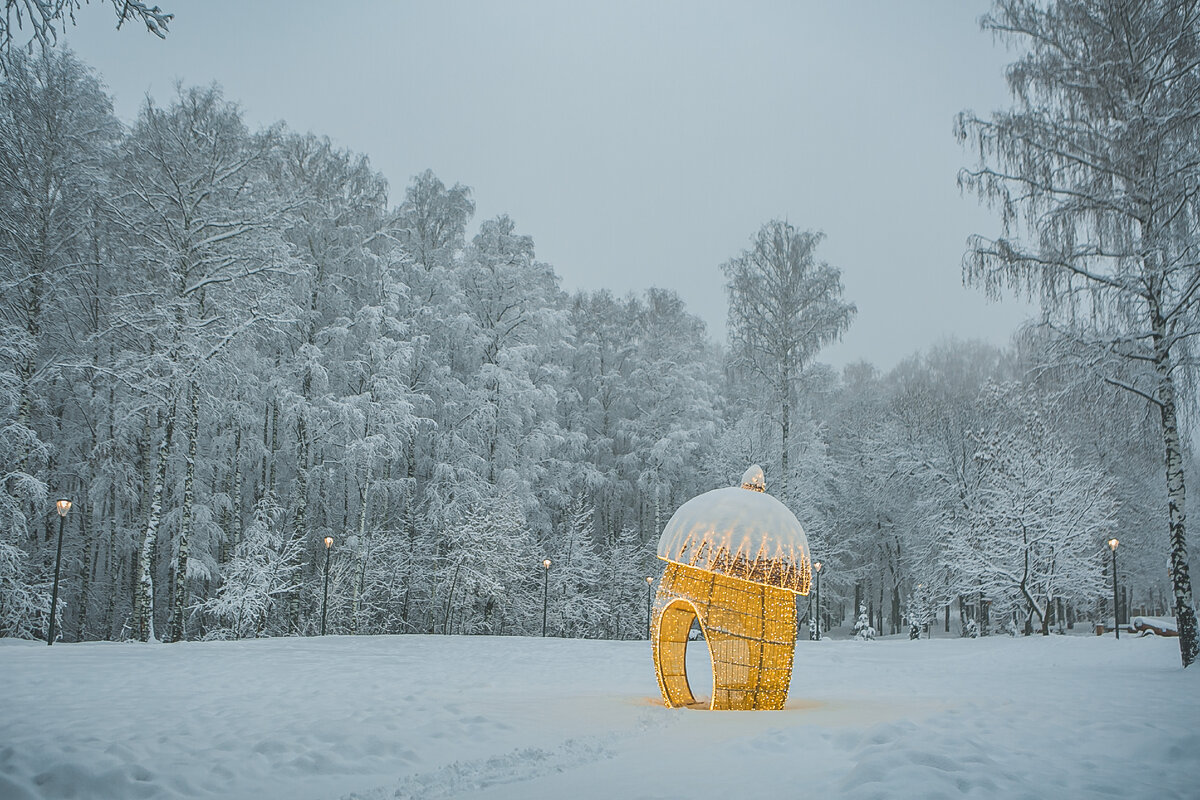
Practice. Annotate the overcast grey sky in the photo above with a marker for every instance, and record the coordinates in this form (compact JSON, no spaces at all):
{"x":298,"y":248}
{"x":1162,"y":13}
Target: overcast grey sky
{"x":639,"y":143}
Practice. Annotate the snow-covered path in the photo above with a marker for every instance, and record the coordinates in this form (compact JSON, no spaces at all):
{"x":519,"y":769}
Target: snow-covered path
{"x":479,"y":717}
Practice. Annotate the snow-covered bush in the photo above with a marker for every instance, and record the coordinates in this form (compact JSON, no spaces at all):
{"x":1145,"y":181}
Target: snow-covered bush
{"x":24,"y":605}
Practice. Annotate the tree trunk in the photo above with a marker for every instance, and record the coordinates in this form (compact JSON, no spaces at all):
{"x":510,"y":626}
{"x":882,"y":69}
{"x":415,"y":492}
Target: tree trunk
{"x":262,"y":478}
{"x":410,"y":526}
{"x":879,"y":608}
{"x":1185,"y":612}
{"x":450,"y":600}
{"x":85,"y":577}
{"x":495,"y":434}
{"x":300,"y":519}
{"x":274,"y":444}
{"x":143,"y":598}
{"x":785,"y":425}
{"x":179,"y":602}
{"x":362,"y":548}
{"x":234,"y":530}
{"x":895,"y":616}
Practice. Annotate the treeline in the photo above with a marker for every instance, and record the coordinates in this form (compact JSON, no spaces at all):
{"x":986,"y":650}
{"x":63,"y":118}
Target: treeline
{"x":227,"y":347}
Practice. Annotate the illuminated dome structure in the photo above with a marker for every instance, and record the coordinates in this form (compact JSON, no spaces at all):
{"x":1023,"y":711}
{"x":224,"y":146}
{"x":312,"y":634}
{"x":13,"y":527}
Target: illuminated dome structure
{"x":735,"y":559}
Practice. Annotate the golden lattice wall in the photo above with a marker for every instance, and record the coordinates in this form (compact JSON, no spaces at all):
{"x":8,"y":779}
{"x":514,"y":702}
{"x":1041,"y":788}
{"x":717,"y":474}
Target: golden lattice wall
{"x":751,"y":634}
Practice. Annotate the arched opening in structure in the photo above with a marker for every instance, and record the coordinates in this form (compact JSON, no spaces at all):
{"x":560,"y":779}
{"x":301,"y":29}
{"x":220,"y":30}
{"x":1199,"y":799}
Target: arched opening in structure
{"x":674,"y":629}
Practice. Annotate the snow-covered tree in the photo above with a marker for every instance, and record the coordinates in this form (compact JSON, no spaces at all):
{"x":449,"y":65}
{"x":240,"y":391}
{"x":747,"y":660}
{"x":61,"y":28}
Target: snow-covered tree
{"x":44,"y":18}
{"x":1035,"y":518}
{"x":577,"y":574}
{"x":205,"y":255}
{"x":923,"y":604}
{"x":251,"y":350}
{"x":260,"y":573}
{"x":1094,"y":171}
{"x":489,"y":555}
{"x":24,"y":604}
{"x":863,"y":630}
{"x":784,"y":306}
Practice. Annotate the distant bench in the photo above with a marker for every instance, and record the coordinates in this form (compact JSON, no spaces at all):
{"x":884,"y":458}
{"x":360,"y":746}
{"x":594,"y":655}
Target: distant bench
{"x":1159,"y":626}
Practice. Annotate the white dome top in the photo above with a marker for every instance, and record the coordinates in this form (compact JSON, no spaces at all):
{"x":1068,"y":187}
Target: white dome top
{"x":741,"y":533}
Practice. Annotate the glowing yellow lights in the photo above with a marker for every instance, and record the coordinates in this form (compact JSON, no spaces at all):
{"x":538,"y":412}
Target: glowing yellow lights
{"x":735,"y":559}
{"x":328,"y":542}
{"x":649,"y":579}
{"x":63,"y":506}
{"x":1112,"y":544}
{"x":751,"y":635}
{"x":754,"y":480}
{"x":546,"y":564}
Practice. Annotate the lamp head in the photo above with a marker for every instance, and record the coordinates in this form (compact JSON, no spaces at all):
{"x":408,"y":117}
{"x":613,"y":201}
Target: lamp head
{"x":63,"y":505}
{"x":649,"y":580}
{"x":1112,"y":544}
{"x":546,"y":564}
{"x":817,"y":565}
{"x":328,"y":542}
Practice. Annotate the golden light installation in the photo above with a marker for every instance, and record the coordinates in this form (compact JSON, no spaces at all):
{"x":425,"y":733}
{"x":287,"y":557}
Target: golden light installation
{"x":735,"y":559}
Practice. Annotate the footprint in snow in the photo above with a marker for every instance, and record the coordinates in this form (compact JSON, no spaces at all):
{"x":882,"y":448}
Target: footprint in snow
{"x":462,"y":777}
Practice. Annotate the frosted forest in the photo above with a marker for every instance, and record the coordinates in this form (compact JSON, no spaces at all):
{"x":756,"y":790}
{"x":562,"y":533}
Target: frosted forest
{"x":229,"y":346}
{"x":324,"y":488}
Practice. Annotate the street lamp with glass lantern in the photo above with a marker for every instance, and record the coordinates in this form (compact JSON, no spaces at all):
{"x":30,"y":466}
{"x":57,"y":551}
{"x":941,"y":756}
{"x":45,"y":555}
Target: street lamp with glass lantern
{"x":1112,"y":545}
{"x":63,"y":506}
{"x":817,"y":567}
{"x":545,"y":594}
{"x":649,"y":583}
{"x":325,"y":602}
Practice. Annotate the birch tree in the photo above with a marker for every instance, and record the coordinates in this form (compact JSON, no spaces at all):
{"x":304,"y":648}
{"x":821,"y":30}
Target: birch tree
{"x":784,"y":306}
{"x":1095,"y":172}
{"x":203,"y":236}
{"x":56,"y":131}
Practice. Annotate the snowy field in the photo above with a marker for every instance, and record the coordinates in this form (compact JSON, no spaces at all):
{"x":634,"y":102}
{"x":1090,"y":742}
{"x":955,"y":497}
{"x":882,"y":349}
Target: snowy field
{"x":475,"y":717}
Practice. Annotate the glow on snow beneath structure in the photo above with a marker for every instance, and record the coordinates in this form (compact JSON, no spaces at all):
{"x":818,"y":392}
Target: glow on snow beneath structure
{"x":735,"y":558}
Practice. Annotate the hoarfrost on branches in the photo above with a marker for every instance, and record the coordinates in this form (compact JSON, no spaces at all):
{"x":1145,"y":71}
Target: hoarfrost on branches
{"x":225,"y":345}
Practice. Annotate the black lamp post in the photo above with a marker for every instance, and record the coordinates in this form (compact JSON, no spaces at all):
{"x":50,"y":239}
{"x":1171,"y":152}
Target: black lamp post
{"x":1112,"y":545}
{"x":325,"y":602}
{"x":63,"y":506}
{"x":545,"y":594}
{"x":649,"y":583}
{"x":817,"y":566}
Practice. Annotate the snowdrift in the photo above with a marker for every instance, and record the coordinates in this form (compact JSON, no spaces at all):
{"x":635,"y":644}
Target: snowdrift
{"x":478,"y":717}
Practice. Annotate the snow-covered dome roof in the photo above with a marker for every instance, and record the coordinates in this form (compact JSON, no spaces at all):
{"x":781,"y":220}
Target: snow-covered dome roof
{"x":740,"y":532}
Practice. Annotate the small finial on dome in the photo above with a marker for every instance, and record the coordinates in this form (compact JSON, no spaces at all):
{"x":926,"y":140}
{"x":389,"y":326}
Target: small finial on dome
{"x":754,"y":480}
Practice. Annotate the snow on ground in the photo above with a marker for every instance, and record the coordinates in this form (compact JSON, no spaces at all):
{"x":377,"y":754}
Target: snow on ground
{"x":477,"y":717}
